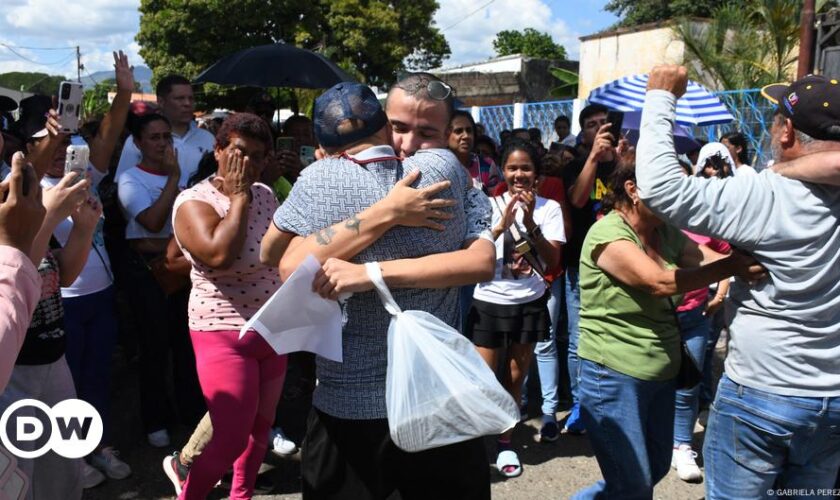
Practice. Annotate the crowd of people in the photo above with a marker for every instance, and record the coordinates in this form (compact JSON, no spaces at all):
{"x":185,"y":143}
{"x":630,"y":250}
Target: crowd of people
{"x":616,"y":267}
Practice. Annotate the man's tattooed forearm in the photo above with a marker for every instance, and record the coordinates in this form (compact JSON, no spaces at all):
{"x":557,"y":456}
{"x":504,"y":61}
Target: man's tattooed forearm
{"x":324,"y":236}
{"x":353,"y":224}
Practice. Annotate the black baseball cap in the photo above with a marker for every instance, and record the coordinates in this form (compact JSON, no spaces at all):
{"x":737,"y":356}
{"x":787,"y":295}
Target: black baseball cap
{"x":812,"y":103}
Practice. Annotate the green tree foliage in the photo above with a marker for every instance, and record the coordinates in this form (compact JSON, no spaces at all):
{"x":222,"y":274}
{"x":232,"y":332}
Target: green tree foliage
{"x":370,"y":38}
{"x":38,"y":83}
{"x":528,"y":42}
{"x":635,"y":12}
{"x":569,"y":80}
{"x":744,"y":45}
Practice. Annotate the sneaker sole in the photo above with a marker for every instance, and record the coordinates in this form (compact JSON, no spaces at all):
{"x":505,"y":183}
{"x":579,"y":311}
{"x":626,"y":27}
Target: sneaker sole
{"x":171,"y":474}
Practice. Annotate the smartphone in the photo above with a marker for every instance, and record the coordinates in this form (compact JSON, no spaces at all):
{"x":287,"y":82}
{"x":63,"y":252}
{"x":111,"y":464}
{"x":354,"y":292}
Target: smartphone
{"x":307,"y":155}
{"x":78,"y":156}
{"x":284,"y":144}
{"x":69,"y":106}
{"x":615,"y":119}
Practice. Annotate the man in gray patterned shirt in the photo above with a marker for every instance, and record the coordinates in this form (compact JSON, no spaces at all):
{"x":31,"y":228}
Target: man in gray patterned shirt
{"x":353,"y":207}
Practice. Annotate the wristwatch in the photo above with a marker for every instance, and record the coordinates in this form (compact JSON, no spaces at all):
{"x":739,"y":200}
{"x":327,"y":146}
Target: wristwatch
{"x":536,"y":233}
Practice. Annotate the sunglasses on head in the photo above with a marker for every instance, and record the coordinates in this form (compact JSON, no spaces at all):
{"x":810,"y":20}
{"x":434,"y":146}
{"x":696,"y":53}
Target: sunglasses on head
{"x":435,"y":89}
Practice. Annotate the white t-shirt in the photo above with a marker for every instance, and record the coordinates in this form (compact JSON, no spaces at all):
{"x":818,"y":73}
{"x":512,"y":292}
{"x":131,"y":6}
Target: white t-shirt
{"x":138,"y":190}
{"x":96,"y":275}
{"x":190,"y":147}
{"x":745,"y":170}
{"x":549,"y":218}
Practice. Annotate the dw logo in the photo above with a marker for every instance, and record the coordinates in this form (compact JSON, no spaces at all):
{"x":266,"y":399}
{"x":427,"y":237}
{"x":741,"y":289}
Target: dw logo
{"x":72,"y":428}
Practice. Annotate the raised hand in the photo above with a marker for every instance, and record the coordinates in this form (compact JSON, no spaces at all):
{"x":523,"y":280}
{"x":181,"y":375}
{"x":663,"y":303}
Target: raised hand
{"x":528,"y":200}
{"x":123,"y":72}
{"x":418,"y":207}
{"x":602,"y":148}
{"x":21,"y":211}
{"x":87,"y":214}
{"x":63,"y":199}
{"x":670,"y":77}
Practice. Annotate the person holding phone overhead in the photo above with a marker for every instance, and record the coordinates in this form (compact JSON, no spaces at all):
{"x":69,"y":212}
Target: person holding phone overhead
{"x":89,"y":302}
{"x":586,"y":180}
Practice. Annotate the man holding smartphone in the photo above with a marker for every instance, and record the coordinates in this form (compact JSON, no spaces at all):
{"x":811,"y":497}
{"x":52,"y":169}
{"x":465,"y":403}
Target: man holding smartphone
{"x":177,"y":104}
{"x":586,"y":181}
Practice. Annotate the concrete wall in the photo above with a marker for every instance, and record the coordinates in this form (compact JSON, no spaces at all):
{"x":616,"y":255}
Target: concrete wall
{"x":531,"y":83}
{"x":605,"y":57}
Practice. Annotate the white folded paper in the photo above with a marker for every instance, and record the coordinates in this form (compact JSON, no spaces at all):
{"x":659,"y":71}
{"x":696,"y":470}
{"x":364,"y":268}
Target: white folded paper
{"x":297,"y":319}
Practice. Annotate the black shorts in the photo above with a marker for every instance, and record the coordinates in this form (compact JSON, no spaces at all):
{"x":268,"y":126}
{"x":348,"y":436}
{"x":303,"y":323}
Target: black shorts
{"x":500,"y":325}
{"x":356,"y":460}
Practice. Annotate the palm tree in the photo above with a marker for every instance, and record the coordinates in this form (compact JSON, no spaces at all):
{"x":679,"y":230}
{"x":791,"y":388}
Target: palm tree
{"x":745,"y":44}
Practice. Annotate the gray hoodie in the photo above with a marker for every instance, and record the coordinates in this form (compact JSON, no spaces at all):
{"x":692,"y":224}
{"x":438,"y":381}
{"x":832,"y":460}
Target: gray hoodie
{"x":786,"y":329}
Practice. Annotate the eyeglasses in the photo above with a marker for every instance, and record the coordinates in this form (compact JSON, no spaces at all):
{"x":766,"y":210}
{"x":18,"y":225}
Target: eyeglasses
{"x":435,"y":89}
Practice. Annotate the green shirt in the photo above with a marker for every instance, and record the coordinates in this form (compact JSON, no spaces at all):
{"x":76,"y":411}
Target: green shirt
{"x":282,"y":187}
{"x":621,"y":327}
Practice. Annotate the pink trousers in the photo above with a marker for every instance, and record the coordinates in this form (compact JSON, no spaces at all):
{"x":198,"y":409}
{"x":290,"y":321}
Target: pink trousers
{"x":241,"y":381}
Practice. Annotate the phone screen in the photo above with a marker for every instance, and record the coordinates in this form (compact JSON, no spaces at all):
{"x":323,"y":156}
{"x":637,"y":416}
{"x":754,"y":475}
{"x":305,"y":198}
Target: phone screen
{"x":615,"y":119}
{"x":284,"y":144}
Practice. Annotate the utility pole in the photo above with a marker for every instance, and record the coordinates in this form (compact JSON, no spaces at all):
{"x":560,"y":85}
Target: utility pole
{"x":806,"y":40}
{"x":78,"y":65}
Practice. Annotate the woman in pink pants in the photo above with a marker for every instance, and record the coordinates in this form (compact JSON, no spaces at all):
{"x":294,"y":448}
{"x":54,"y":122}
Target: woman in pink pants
{"x":218,"y":224}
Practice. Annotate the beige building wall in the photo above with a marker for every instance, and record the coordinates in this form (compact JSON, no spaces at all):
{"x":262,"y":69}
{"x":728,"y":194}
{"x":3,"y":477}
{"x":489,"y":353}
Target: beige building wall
{"x":608,"y":56}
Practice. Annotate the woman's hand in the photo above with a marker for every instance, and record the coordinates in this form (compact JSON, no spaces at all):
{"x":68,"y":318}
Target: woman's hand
{"x":746,"y":267}
{"x":239,"y":176}
{"x":63,"y":199}
{"x":87,"y":214}
{"x":170,"y":162}
{"x":529,"y":201}
{"x":508,"y":216}
{"x":415,"y":207}
{"x":713,"y":306}
{"x":338,"y":276}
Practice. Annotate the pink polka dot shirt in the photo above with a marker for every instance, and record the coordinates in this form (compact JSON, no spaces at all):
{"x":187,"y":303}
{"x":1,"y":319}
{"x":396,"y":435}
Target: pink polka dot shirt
{"x":224,"y":299}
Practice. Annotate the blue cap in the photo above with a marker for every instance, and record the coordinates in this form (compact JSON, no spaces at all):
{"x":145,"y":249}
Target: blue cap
{"x":347,"y":101}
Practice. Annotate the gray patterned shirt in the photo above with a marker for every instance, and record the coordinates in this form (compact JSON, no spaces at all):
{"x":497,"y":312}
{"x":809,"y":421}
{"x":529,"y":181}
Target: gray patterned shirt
{"x":332,"y":190}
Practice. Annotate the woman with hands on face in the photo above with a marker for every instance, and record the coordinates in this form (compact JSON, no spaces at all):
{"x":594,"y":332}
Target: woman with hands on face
{"x":219,"y":224}
{"x":509,"y":313}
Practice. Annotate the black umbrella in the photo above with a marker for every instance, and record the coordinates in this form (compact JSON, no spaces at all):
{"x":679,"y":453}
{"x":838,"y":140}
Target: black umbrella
{"x":275,"y":65}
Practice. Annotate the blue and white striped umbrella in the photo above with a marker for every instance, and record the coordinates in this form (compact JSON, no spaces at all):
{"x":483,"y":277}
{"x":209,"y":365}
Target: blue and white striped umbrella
{"x":697,"y":107}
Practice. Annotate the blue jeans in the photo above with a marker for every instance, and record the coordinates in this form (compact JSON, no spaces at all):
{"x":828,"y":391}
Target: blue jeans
{"x":757,"y":442}
{"x":573,"y":315}
{"x":694,"y":328}
{"x":548,"y":365}
{"x":630,"y":424}
{"x":90,"y":326}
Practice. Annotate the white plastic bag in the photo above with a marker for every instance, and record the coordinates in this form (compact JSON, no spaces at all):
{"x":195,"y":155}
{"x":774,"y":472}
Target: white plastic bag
{"x":438,"y":389}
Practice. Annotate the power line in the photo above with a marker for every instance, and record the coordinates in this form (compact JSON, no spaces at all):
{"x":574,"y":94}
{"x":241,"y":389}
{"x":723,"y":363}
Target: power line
{"x":36,"y":48}
{"x":467,"y":16}
{"x":33,"y":61}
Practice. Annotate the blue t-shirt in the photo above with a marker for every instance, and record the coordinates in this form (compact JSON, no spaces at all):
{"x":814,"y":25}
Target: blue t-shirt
{"x":332,"y":190}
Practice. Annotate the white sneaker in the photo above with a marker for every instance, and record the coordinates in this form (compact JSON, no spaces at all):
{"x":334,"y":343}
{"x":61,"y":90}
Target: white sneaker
{"x":91,"y":477}
{"x":280,"y":444}
{"x":107,"y":460}
{"x":683,"y":461}
{"x":159,"y":439}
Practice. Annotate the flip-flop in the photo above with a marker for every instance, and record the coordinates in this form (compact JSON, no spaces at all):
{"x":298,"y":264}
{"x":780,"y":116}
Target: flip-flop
{"x":506,"y":459}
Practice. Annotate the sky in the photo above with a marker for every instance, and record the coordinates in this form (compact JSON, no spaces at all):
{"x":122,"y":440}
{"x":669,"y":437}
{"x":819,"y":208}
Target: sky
{"x":100,"y":26}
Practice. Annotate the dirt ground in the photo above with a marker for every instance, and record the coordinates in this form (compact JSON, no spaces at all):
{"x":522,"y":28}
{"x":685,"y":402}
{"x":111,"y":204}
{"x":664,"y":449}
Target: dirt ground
{"x":551,"y":471}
